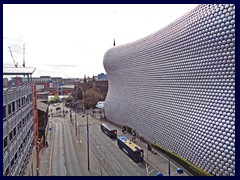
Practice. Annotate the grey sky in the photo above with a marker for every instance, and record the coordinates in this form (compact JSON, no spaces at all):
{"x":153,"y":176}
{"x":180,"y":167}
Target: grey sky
{"x":70,"y":40}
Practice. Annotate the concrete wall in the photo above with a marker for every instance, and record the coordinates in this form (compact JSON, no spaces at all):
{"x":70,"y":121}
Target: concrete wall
{"x":176,"y":87}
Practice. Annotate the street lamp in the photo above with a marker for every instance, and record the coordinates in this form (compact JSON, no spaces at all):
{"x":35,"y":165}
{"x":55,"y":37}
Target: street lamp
{"x":63,"y":108}
{"x":87,"y":142}
{"x":74,"y":106}
{"x":75,"y":120}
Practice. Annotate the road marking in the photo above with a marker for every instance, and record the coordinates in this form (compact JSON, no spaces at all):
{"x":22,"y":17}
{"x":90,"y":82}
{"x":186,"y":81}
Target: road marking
{"x":108,"y":156}
{"x":116,"y":166}
{"x":65,"y":171}
{"x":151,"y":171}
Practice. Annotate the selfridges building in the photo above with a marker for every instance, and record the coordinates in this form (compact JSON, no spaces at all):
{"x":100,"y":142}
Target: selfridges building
{"x":176,"y":87}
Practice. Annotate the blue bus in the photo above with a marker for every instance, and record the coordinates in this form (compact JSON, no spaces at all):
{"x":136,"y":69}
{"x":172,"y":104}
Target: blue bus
{"x":131,"y":149}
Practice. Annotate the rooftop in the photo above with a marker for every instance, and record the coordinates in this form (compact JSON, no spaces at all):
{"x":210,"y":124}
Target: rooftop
{"x":18,"y":71}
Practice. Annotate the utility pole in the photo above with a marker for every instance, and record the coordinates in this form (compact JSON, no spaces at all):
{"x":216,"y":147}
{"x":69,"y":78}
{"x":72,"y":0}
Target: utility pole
{"x":88,"y":143}
{"x":169,"y":170}
{"x":76,"y":120}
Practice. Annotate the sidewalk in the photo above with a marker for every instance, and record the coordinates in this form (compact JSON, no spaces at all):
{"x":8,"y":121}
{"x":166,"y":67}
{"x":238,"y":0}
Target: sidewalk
{"x":46,"y":153}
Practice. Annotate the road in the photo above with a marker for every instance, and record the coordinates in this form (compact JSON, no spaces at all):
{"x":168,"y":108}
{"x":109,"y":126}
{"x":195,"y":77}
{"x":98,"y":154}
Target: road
{"x":64,"y":159}
{"x":110,"y":159}
{"x":69,"y":153}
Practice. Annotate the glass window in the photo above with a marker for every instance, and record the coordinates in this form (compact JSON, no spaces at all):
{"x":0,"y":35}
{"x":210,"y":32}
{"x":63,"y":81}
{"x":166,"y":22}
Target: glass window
{"x":14,"y":131}
{"x":11,"y":135}
{"x":13,"y":106}
{"x":12,"y":162}
{"x":4,"y":112}
{"x":19,"y":103}
{"x":5,"y":142}
{"x":9,"y":110}
{"x":23,"y":101}
{"x":23,"y":120}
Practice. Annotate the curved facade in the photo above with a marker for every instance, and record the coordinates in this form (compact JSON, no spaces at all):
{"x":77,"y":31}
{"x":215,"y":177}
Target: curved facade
{"x":176,"y":87}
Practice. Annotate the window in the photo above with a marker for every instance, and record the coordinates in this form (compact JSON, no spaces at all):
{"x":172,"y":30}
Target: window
{"x":12,"y":162}
{"x":4,"y":113}
{"x":18,"y":103}
{"x":9,"y":110}
{"x":30,"y":97}
{"x":14,"y":132}
{"x":23,"y":101}
{"x":11,"y":135}
{"x":13,"y":106}
{"x":15,"y":156}
{"x":5,"y":142}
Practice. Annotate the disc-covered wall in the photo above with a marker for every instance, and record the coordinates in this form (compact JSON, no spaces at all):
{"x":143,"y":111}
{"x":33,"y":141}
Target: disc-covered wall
{"x":176,"y":87}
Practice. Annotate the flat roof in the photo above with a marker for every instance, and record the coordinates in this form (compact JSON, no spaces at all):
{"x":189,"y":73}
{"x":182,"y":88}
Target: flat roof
{"x":18,"y":70}
{"x":42,"y":106}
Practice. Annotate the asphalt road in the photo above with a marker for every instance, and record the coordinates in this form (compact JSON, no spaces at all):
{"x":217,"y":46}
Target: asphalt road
{"x":112,"y":160}
{"x":69,"y":157}
{"x":64,"y":159}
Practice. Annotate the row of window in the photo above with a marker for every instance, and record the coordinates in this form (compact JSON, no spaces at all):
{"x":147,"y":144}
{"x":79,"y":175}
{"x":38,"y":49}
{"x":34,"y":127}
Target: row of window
{"x":16,"y":105}
{"x":17,"y":128}
{"x":14,"y":160}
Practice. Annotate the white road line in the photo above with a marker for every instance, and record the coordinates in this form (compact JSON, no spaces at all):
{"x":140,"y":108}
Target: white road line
{"x":151,"y":171}
{"x":65,"y":171}
{"x":108,"y":156}
{"x":116,"y":166}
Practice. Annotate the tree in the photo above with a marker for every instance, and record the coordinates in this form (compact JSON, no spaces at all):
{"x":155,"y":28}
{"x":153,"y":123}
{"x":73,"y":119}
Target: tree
{"x":55,"y":99}
{"x":91,"y":97}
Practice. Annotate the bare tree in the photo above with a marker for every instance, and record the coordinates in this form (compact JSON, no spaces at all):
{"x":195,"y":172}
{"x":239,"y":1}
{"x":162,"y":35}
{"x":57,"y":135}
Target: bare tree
{"x":91,"y":97}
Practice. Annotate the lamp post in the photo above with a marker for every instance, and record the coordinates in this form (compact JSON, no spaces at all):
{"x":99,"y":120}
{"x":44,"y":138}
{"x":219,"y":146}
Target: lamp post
{"x":75,"y":120}
{"x":63,"y":109}
{"x":88,"y":143}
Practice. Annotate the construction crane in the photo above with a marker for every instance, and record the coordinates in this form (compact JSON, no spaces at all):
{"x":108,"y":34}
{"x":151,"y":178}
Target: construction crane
{"x":23,"y":55}
{"x":15,"y":64}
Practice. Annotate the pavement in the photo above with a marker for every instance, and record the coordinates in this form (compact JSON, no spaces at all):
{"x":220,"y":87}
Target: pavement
{"x":156,"y":161}
{"x":46,"y":153}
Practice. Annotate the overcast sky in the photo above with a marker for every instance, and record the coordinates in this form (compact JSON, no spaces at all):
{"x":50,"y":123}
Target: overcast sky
{"x":70,"y":40}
